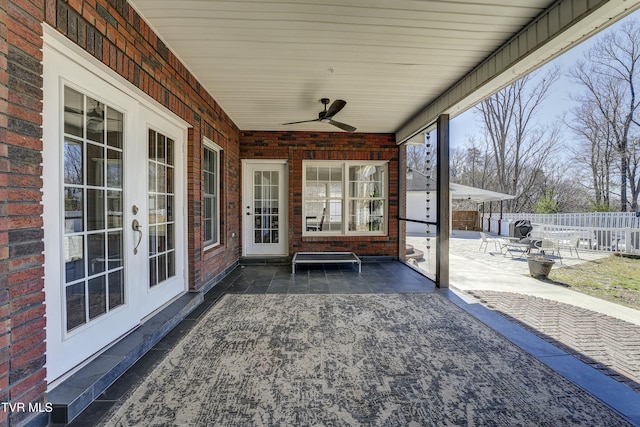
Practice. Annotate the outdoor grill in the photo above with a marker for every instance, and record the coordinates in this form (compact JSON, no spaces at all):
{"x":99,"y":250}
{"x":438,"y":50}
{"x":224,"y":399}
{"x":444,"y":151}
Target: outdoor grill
{"x":521,"y":228}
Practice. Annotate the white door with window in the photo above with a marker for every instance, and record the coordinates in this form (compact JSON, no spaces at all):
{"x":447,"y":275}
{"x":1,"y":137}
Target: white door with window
{"x":114,"y":236}
{"x":264,"y":208}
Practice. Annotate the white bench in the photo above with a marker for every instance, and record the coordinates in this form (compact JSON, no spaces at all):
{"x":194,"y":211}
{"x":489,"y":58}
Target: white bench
{"x":325,"y":258}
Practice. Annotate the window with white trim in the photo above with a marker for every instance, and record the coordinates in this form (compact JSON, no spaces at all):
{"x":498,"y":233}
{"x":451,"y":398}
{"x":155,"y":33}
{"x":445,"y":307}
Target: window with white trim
{"x":345,"y":198}
{"x":211,"y":186}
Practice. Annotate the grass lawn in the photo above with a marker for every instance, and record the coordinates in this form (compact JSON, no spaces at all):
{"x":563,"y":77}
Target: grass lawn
{"x":615,"y":279}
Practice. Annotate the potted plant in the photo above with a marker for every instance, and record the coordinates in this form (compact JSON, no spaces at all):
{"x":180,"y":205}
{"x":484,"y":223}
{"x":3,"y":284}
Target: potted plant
{"x":539,"y":266}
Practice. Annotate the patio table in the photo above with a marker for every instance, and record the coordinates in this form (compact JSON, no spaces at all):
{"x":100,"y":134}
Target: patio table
{"x":521,"y":248}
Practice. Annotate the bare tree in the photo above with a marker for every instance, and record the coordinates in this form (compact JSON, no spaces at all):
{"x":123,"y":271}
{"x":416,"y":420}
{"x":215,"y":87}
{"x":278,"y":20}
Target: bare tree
{"x":634,"y":171}
{"x":422,"y":158}
{"x":472,"y":165}
{"x":610,"y":75}
{"x":596,"y":150}
{"x":518,"y":147}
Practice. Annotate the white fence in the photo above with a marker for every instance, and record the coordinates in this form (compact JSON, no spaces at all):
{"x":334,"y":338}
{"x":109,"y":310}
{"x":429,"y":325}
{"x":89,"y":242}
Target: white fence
{"x":586,"y":219}
{"x":600,"y":231}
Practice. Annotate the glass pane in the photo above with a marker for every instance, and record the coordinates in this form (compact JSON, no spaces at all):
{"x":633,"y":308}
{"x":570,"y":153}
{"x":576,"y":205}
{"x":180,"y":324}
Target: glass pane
{"x":169,"y":208}
{"x":116,"y":289}
{"x":153,"y":241}
{"x":324,"y":174}
{"x":257,"y":238}
{"x":214,"y":226}
{"x":73,"y":112}
{"x":114,"y":168}
{"x":152,"y":176}
{"x":336,"y":174}
{"x":152,"y":144}
{"x":73,"y":258}
{"x":170,"y":174}
{"x":162,"y":268}
{"x":208,"y":230}
{"x":114,"y":208}
{"x":76,"y":306}
{"x":95,"y":165}
{"x":114,"y":128}
{"x":73,"y":162}
{"x":313,"y":190}
{"x":161,"y":147}
{"x":161,"y":237}
{"x":171,"y":264}
{"x":95,"y":120}
{"x":354,"y":173}
{"x":170,"y":145}
{"x":96,"y":249}
{"x":73,"y":210}
{"x":211,"y":183}
{"x":95,"y":209}
{"x":208,"y":207}
{"x":97,"y":296}
{"x":257,"y":178}
{"x":312,"y":173}
{"x":161,"y":186}
{"x":274,"y":236}
{"x":206,"y":160}
{"x":335,"y":215}
{"x":115,"y":250}
{"x":335,"y":190}
{"x":161,"y":209}
{"x":170,"y":237}
{"x":153,"y":210}
{"x":153,"y":273}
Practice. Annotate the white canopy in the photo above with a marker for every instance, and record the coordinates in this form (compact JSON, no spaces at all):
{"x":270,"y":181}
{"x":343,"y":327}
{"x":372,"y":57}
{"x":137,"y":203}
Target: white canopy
{"x":464,"y":192}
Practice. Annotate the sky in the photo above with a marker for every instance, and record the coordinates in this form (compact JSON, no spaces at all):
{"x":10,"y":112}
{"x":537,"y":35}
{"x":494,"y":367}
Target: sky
{"x":555,"y":105}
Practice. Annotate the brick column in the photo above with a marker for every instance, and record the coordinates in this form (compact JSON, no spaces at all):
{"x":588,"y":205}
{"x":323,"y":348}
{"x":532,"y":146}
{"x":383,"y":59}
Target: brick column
{"x":22,"y":335}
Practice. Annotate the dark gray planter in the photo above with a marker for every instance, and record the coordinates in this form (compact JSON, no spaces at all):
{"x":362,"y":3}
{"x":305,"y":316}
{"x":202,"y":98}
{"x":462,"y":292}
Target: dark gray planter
{"x":539,"y":267}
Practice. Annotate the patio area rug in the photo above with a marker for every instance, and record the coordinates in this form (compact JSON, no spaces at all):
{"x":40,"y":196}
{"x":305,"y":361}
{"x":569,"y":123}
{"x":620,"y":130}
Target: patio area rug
{"x":348,"y":360}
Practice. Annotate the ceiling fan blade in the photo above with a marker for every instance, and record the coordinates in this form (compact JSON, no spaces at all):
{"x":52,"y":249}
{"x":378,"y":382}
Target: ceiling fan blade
{"x":343,"y":126}
{"x":337,"y":105}
{"x":301,"y":121}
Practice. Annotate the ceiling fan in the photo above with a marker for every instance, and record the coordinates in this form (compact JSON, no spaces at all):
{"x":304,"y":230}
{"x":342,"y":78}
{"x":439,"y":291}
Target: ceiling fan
{"x":326,"y":116}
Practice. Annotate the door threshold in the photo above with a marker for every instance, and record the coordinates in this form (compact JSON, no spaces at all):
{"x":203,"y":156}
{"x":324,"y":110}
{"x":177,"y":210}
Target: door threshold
{"x":266,"y":260}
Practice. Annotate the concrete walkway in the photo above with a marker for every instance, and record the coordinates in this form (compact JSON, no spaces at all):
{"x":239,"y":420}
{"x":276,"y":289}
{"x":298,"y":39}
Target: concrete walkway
{"x":603,"y":334}
{"x":473,"y":270}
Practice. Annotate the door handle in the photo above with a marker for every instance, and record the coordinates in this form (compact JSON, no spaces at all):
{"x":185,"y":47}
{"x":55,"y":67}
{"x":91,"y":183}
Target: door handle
{"x":135,"y":225}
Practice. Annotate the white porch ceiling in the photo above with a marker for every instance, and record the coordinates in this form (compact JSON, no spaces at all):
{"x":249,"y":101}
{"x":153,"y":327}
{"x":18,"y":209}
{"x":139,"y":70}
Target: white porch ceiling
{"x":267,"y":62}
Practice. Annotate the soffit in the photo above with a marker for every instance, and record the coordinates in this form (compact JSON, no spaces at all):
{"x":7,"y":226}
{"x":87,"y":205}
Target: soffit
{"x":269,"y":62}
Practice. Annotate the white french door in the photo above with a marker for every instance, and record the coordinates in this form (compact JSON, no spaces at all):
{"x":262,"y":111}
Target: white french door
{"x":264,"y":208}
{"x":114,"y":236}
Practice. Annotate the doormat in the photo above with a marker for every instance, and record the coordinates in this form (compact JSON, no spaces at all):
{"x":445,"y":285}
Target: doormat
{"x":348,"y":360}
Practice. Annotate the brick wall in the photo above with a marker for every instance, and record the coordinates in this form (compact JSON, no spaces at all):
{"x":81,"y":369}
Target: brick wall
{"x":111,"y":31}
{"x":22,"y":336}
{"x":299,"y":146}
